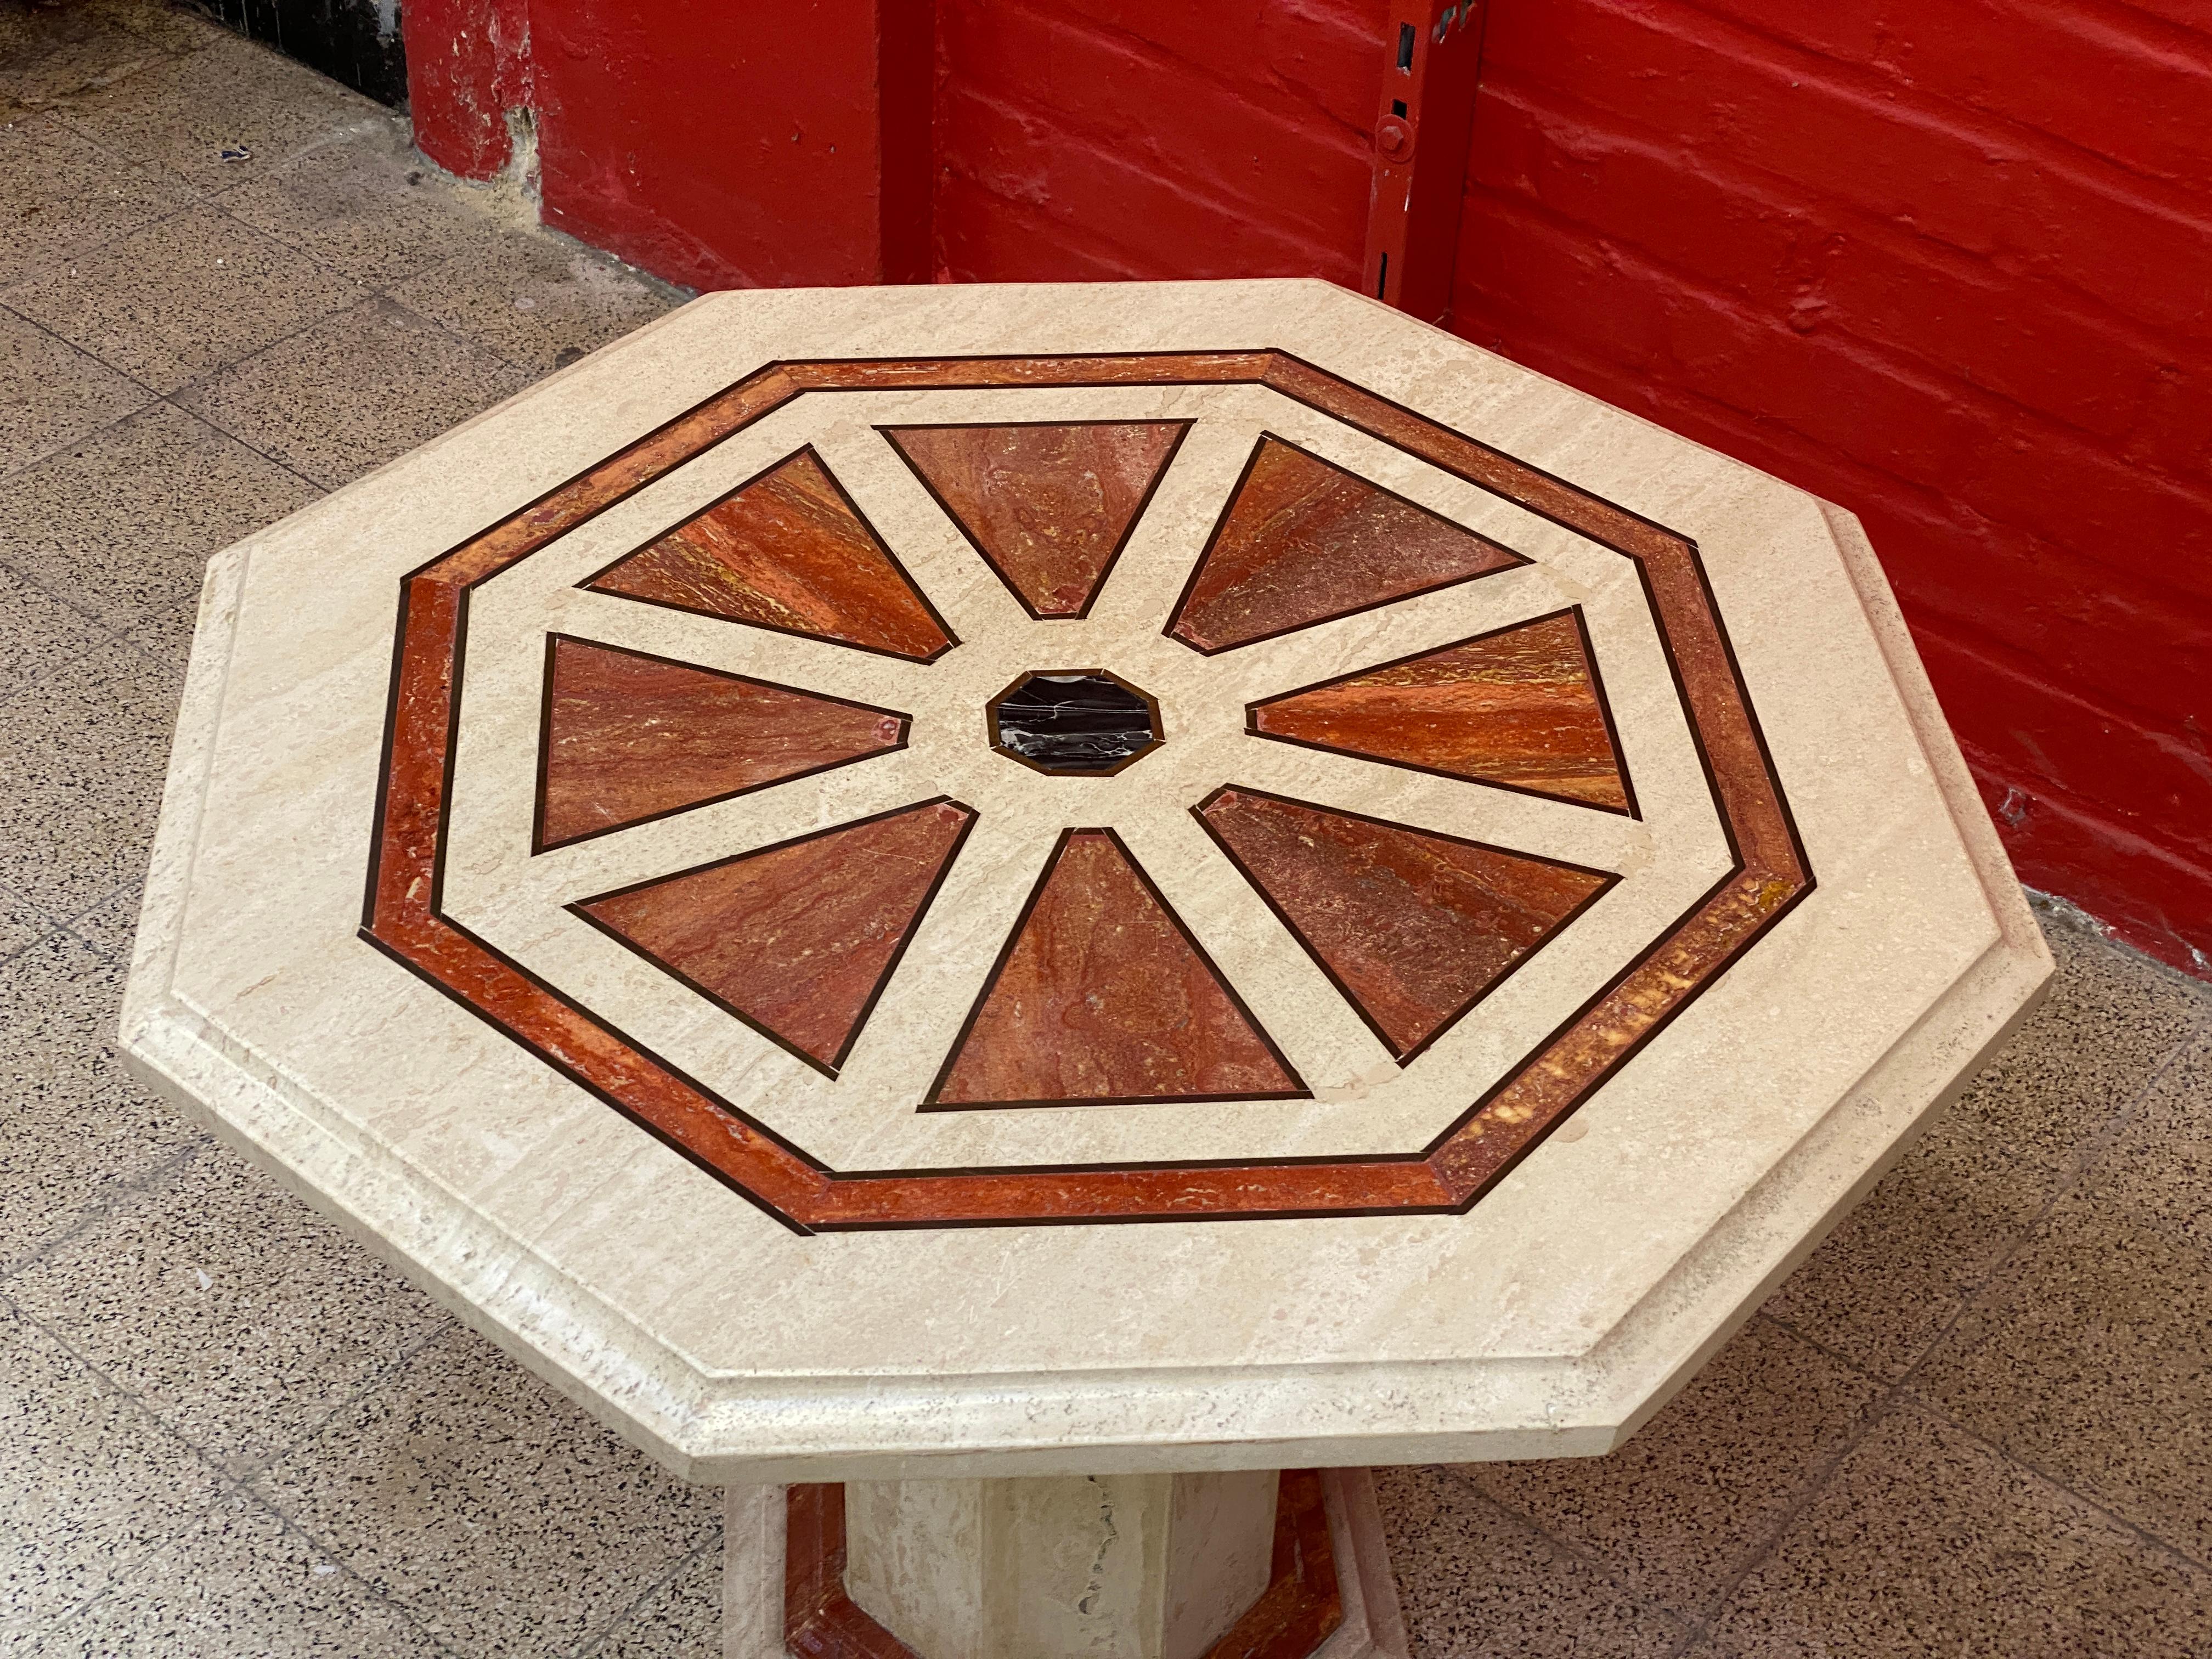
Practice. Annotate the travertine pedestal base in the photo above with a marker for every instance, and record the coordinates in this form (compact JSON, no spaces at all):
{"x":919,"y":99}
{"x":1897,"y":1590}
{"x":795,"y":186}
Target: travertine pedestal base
{"x":1261,"y":1565}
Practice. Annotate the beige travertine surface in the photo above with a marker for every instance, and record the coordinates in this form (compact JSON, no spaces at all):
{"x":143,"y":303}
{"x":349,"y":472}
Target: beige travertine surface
{"x":1549,"y":1318}
{"x":1151,"y":1567}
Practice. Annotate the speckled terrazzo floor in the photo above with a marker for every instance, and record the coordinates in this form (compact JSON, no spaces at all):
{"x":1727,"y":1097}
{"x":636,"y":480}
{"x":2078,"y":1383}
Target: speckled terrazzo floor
{"x":1977,"y":1422}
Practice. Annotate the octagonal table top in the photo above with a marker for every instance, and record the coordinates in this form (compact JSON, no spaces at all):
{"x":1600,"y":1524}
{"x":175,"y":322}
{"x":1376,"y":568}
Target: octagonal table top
{"x":995,"y":880}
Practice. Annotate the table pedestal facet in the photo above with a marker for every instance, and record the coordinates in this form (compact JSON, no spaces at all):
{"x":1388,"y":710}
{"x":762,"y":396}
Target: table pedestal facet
{"x":1238,"y":1566}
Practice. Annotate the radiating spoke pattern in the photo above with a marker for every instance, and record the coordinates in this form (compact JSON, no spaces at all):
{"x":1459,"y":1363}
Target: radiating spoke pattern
{"x":1100,"y":994}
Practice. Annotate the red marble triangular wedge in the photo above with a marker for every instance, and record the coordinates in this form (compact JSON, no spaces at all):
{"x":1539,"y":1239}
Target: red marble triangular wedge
{"x":630,"y":737}
{"x":1415,"y":928}
{"x":1522,"y":707}
{"x":796,"y":939}
{"x":1100,"y":996}
{"x":788,"y":552}
{"x":1303,"y":541}
{"x":1047,"y":507}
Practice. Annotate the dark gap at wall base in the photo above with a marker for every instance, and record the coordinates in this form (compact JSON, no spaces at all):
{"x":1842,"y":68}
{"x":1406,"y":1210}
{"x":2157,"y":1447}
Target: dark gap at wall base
{"x":355,"y":41}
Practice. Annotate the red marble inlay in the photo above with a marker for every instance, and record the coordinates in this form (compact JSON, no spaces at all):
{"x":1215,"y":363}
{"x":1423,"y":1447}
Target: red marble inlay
{"x":1415,"y":928}
{"x":1101,"y":996}
{"x":1302,"y":540}
{"x":1301,"y":1608}
{"x":630,"y":737}
{"x":1519,"y":707}
{"x":1047,"y":507}
{"x":820,"y":1620}
{"x":796,"y":939}
{"x":787,"y":550}
{"x":403,"y":915}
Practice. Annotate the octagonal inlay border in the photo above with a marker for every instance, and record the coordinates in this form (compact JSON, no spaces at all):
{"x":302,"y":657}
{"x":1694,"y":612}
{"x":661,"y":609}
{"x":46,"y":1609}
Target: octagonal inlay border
{"x":404,"y":917}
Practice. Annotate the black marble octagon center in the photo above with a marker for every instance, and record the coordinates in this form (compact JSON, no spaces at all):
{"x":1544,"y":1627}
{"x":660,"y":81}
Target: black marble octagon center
{"x":1073,"y":722}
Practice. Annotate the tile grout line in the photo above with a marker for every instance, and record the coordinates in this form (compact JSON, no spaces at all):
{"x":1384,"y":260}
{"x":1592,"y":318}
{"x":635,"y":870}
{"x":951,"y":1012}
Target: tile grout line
{"x":237,"y":1482}
{"x":597,"y":1642}
{"x":2086,"y":1158}
{"x":1911,"y":1399}
{"x":1899,"y":1396}
{"x":1599,"y":1568}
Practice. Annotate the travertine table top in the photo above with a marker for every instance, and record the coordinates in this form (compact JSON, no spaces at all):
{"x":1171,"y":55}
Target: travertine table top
{"x":993,"y":880}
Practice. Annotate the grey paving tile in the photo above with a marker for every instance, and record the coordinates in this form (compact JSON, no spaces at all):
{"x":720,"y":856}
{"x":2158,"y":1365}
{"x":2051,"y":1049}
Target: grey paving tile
{"x":353,"y":391}
{"x":51,"y":394}
{"x":111,"y":926}
{"x":38,"y":634}
{"x":84,"y":749}
{"x":680,"y":1619}
{"x":49,"y":53}
{"x":237,"y":1581}
{"x":88,"y":1487}
{"x":181,"y":115}
{"x":2091,"y":1358}
{"x":174,"y":28}
{"x":1927,"y":1545}
{"x":1474,"y":1580}
{"x":75,"y":1131}
{"x":60,"y":194}
{"x":122,"y":525}
{"x":180,"y":297}
{"x":368,"y":207}
{"x":496,"y":1514}
{"x":2160,"y":1171}
{"x":1681,"y":1509}
{"x":537,"y":299}
{"x":2110,"y":1017}
{"x":1883,"y":1286}
{"x":236,"y":1316}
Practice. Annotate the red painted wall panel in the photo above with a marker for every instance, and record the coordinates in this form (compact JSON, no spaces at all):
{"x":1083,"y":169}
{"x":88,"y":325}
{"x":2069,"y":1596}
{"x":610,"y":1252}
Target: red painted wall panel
{"x":1091,"y":138}
{"x":1949,"y":263}
{"x":1946,"y":262}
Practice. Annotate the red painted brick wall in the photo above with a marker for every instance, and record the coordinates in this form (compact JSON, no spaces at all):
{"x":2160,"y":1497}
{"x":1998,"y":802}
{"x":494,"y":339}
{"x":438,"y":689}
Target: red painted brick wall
{"x":1946,"y":262}
{"x":1949,"y":263}
{"x":1095,"y":139}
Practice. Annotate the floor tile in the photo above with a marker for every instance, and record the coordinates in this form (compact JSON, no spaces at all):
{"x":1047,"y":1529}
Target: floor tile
{"x":538,"y":300}
{"x":111,"y":927}
{"x":1896,"y":1271}
{"x":182,"y":297}
{"x":84,"y":749}
{"x":52,"y":394}
{"x":353,"y":391}
{"x":238,"y":1581}
{"x":1681,"y":1509}
{"x":2110,"y":1017}
{"x":1474,"y":1582}
{"x":2091,"y":1358}
{"x":368,"y":207}
{"x":182,"y":115}
{"x":175,"y":28}
{"x":680,"y":1619}
{"x":38,"y":634}
{"x":495,"y":1513}
{"x":48,"y":53}
{"x":58,"y":194}
{"x":88,"y":1487}
{"x":1927,"y":1545}
{"x":2159,"y":1170}
{"x":121,"y":525}
{"x":75,"y":1131}
{"x":235,"y":1315}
